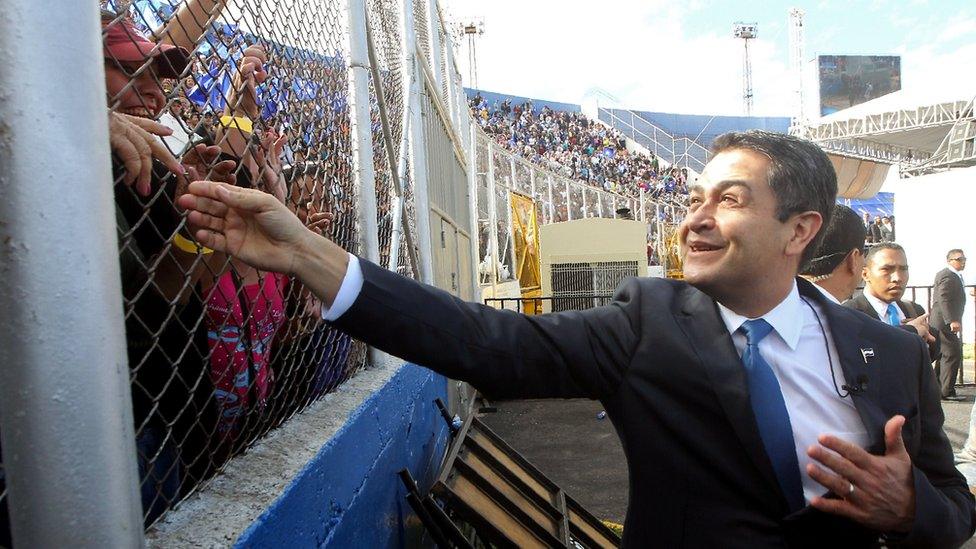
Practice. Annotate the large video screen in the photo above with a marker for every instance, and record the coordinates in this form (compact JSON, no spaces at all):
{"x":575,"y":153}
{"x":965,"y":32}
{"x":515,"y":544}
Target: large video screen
{"x":848,"y":80}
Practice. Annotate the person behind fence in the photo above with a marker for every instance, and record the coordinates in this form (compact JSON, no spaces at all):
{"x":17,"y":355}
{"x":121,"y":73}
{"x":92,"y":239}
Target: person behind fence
{"x":753,"y":411}
{"x":144,"y":169}
{"x":836,"y":265}
{"x":163,"y":270}
{"x":948,"y":304}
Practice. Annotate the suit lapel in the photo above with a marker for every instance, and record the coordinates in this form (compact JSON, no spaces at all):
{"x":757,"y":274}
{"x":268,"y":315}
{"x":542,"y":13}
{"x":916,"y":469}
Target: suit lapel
{"x":865,"y":306}
{"x":702,"y":324}
{"x":845,"y":330}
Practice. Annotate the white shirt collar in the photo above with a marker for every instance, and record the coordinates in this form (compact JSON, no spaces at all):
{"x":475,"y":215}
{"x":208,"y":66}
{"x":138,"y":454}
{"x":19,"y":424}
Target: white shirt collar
{"x":826,"y":294}
{"x":879,"y":305}
{"x":785,"y":318}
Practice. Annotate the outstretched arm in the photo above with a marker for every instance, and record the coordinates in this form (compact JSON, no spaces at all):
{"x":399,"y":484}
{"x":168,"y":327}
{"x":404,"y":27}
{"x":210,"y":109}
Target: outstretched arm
{"x":188,"y":26}
{"x":567,"y":354}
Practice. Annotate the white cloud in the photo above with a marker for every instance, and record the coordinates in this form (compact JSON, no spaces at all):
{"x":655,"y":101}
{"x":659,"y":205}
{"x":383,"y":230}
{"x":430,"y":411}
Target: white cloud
{"x":958,"y":28}
{"x":651,"y":55}
{"x":641,"y":52}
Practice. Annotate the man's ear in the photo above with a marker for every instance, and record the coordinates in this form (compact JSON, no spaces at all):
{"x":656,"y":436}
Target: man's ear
{"x":805,"y":226}
{"x":852,"y":260}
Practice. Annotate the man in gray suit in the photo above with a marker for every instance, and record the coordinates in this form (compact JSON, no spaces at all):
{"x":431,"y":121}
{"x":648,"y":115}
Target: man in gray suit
{"x":949,"y":300}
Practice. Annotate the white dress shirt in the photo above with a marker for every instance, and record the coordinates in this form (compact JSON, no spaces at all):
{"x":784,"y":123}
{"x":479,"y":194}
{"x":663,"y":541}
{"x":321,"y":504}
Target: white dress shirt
{"x":881,"y":307}
{"x":794,"y":350}
{"x":958,"y":273}
{"x":349,"y":290}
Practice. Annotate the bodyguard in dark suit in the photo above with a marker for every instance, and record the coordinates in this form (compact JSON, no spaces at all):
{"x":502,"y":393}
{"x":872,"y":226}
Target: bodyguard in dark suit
{"x":753,"y":411}
{"x":838,"y":262}
{"x":885,"y":276}
{"x":948,"y":302}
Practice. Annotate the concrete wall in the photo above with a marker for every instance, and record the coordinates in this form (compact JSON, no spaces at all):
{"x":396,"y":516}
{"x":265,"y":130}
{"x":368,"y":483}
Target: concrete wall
{"x":328,"y":476}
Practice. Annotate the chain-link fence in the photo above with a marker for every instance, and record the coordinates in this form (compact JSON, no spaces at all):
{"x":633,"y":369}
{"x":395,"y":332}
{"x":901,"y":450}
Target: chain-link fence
{"x":257,"y":94}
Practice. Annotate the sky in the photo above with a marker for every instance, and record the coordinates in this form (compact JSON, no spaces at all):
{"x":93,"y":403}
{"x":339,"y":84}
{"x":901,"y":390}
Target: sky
{"x":681,"y":57}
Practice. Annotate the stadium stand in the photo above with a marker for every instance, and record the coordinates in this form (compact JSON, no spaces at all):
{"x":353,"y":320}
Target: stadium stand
{"x":561,"y":138}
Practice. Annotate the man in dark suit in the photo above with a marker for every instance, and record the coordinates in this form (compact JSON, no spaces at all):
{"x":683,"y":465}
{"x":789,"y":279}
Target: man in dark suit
{"x":948,"y":302}
{"x":885,"y":277}
{"x":838,"y":262}
{"x":753,"y":411}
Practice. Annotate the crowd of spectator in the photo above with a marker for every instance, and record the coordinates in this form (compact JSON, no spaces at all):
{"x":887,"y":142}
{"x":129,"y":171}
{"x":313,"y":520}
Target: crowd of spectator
{"x":573,"y":145}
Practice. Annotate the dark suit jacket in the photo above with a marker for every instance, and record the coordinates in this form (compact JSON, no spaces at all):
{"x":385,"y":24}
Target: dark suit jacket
{"x":948,"y":299}
{"x":909,"y":308}
{"x":661,"y":361}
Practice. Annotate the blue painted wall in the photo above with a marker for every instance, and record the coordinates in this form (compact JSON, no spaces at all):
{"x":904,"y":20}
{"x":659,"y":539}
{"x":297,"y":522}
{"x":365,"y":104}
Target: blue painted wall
{"x":350,"y":495}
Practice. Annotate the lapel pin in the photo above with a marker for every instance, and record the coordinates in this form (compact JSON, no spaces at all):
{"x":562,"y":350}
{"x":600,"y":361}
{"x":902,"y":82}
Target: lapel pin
{"x":867,"y":353}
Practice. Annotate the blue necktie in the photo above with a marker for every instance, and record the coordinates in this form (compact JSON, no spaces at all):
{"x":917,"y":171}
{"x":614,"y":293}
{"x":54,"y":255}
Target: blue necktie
{"x":772,"y":417}
{"x":892,"y":315}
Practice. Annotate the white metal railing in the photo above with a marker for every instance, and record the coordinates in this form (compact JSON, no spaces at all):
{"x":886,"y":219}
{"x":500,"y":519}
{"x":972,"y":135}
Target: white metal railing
{"x":681,"y":151}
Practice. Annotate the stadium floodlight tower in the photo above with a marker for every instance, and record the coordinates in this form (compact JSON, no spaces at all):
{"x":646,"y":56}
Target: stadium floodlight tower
{"x":472,"y":28}
{"x":796,"y":62}
{"x":747,"y":32}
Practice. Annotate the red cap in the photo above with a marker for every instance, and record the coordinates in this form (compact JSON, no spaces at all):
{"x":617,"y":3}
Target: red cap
{"x":121,"y":41}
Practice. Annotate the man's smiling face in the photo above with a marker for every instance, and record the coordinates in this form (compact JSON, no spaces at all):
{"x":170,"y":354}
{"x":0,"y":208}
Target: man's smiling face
{"x":731,"y":238}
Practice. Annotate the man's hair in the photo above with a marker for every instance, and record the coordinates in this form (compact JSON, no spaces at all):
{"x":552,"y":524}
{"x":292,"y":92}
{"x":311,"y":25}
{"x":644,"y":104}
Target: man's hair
{"x":873,"y":250}
{"x":800,"y":175}
{"x":952,"y":252}
{"x":845,"y":232}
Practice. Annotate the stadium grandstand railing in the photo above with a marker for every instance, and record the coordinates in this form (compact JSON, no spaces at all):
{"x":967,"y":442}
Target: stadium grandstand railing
{"x":679,"y":151}
{"x":355,"y":109}
{"x":687,"y":138}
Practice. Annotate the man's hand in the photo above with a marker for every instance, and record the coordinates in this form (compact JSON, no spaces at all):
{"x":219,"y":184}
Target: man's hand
{"x":921,"y":325}
{"x":265,"y":163}
{"x":250,"y":73}
{"x":260,"y":230}
{"x":200,"y":162}
{"x":319,"y":221}
{"x":248,"y":224}
{"x":877,"y":491}
{"x":134,"y":141}
{"x":955,"y":326}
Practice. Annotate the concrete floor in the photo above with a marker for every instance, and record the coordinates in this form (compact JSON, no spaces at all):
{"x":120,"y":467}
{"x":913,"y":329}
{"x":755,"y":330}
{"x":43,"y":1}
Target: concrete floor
{"x":567,"y":441}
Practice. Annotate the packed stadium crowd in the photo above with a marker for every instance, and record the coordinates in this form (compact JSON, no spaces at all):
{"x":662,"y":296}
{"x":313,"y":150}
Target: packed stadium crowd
{"x":573,"y":145}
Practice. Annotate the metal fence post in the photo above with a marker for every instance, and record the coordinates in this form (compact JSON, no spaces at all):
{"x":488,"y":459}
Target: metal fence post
{"x":65,"y":402}
{"x":473,"y":205}
{"x":643,"y":217}
{"x":569,"y":203}
{"x":418,"y":147}
{"x":364,"y":174}
{"x":436,"y":53}
{"x":495,"y":254}
{"x":552,"y":207}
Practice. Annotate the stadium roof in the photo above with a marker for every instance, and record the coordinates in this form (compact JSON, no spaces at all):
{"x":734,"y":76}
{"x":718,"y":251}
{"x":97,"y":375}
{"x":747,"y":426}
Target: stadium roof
{"x":909,"y":127}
